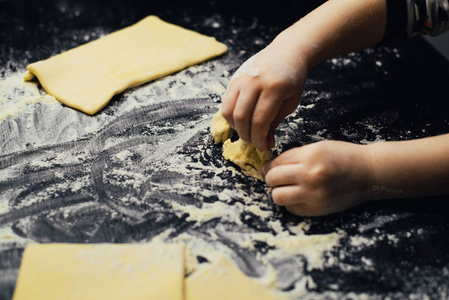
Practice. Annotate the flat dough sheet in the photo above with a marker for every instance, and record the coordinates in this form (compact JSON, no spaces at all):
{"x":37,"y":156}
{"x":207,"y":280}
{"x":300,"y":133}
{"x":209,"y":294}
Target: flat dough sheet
{"x":101,"y":271}
{"x":87,"y":77}
{"x":225,"y":281}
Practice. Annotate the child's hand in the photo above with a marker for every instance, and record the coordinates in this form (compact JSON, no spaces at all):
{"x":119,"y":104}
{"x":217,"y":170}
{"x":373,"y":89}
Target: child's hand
{"x":263,"y":91}
{"x":268,"y":87}
{"x":321,"y":178}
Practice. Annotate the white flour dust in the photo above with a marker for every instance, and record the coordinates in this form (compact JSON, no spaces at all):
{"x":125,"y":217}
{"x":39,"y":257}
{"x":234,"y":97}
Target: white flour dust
{"x":31,"y":119}
{"x":17,"y":96}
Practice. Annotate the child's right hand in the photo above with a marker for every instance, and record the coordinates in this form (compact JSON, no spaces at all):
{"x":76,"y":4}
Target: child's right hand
{"x":263,"y":91}
{"x":268,"y":87}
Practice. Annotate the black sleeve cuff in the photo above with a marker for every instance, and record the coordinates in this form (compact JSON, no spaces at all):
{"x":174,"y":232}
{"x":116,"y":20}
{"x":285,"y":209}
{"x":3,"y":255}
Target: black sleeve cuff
{"x":396,"y":20}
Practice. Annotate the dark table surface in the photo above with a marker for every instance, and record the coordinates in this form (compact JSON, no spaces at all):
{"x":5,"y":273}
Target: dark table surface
{"x":68,"y":177}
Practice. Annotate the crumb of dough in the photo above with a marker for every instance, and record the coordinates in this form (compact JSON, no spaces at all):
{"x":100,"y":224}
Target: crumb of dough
{"x":246,"y":156}
{"x":220,"y":129}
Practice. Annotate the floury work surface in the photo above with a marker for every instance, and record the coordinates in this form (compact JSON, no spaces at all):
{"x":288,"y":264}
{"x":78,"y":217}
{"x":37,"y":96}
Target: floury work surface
{"x":145,"y":167}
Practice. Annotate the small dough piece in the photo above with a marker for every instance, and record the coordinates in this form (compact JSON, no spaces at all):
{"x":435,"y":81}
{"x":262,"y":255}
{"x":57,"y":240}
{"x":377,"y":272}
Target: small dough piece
{"x":220,"y":129}
{"x":101,"y":271}
{"x":223,"y":280}
{"x":243,"y":154}
{"x":88,"y":76}
{"x":246,"y":156}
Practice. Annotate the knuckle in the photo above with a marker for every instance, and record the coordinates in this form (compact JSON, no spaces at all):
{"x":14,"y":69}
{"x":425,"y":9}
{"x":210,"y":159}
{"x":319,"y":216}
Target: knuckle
{"x":245,"y":81}
{"x":240,"y":117}
{"x":321,"y":148}
{"x":226,"y":112}
{"x":259,"y":121}
{"x":275,"y":82}
{"x":321,"y":174}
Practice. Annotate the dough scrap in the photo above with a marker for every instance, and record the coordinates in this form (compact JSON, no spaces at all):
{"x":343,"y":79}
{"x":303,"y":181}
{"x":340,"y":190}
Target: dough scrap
{"x":220,"y":129}
{"x":246,"y":156}
{"x":243,"y":154}
{"x":101,"y":271}
{"x":133,"y":271}
{"x":88,"y":76}
{"x":224,"y":280}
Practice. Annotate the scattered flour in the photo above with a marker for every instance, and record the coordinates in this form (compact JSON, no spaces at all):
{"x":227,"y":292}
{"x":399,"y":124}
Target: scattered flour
{"x":16,"y":96}
{"x":284,"y":242}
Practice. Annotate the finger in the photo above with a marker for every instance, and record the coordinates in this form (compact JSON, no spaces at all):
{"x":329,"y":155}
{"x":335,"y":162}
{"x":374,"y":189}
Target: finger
{"x":264,"y":114}
{"x":289,"y":157}
{"x":228,"y":104}
{"x":284,"y":109}
{"x":287,"y":195}
{"x":271,"y":142}
{"x":243,"y":112}
{"x":307,"y":210}
{"x":270,"y":138}
{"x":283,"y":175}
{"x":299,"y":210}
{"x":288,"y":106}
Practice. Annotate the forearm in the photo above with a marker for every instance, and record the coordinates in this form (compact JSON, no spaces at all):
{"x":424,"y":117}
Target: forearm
{"x":336,"y":27}
{"x":410,"y":168}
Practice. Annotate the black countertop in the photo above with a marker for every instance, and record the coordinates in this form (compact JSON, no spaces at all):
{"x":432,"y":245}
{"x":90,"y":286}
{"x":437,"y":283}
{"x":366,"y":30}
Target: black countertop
{"x":61,"y":182}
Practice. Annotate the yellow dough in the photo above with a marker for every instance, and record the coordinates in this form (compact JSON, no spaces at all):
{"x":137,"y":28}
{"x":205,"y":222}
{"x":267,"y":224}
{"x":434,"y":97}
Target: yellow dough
{"x":220,"y":129}
{"x":243,"y":154}
{"x":246,"y":156}
{"x":101,"y":271}
{"x":87,"y":77}
{"x":223,"y":280}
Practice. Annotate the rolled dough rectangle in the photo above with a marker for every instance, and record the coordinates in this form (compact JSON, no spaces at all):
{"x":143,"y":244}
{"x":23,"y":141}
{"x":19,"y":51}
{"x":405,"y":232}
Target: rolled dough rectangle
{"x":101,"y":271}
{"x":223,"y":280}
{"x":87,"y":77}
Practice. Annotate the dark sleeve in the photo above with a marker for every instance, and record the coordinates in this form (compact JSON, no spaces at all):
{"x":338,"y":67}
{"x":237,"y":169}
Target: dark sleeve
{"x":396,"y":19}
{"x":406,"y":18}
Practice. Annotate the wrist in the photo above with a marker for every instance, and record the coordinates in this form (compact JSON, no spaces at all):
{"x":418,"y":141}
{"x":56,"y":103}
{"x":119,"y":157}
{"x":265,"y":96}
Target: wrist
{"x":300,"y":51}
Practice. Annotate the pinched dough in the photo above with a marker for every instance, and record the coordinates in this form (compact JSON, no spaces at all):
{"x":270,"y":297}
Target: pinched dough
{"x":243,"y":154}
